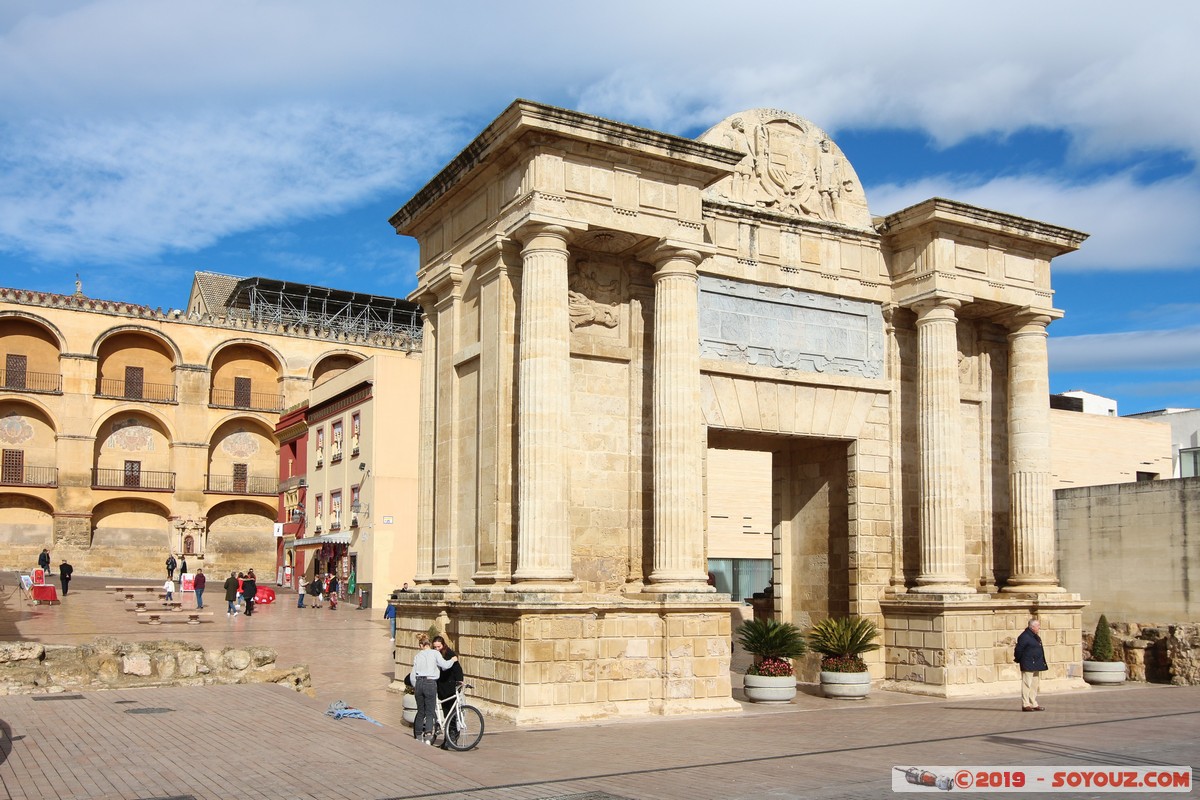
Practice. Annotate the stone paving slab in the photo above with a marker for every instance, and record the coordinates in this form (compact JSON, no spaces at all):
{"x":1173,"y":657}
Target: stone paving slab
{"x":267,"y":741}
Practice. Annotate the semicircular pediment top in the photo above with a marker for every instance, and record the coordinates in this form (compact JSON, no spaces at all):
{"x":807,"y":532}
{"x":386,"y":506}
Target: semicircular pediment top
{"x":791,"y":167}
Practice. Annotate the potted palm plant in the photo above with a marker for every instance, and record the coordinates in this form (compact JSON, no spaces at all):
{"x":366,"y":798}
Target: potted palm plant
{"x":841,"y":641}
{"x":1104,"y":668}
{"x":771,"y":678}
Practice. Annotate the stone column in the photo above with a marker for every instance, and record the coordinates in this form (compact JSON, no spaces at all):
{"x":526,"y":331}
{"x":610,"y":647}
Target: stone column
{"x":678,"y":446}
{"x":1033,"y":546}
{"x":943,"y":543}
{"x":428,"y":438}
{"x":543,"y":413}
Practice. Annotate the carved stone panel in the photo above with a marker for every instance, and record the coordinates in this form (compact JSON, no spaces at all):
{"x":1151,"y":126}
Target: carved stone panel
{"x":791,"y":167}
{"x":783,"y":328}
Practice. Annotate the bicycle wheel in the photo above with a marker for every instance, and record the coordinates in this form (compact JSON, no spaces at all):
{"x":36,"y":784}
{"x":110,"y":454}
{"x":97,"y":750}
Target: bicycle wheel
{"x":467,"y":729}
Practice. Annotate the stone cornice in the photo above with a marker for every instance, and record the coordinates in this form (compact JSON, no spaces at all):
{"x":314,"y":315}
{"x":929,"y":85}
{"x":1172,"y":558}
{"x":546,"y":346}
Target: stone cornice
{"x":939,"y":211}
{"x":524,"y":116}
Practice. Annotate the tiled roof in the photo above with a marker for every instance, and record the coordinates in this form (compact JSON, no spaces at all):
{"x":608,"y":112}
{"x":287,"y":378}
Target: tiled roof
{"x":215,"y":289}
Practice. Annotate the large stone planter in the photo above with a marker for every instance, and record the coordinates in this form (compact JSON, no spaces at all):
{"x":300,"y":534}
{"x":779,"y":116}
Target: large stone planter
{"x":769,"y":689}
{"x":846,"y":685}
{"x":1104,"y":673}
{"x":410,"y":709}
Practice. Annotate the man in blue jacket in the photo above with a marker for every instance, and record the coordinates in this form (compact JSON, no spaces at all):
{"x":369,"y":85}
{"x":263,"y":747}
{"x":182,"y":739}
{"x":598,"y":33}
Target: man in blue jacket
{"x":1030,"y":654}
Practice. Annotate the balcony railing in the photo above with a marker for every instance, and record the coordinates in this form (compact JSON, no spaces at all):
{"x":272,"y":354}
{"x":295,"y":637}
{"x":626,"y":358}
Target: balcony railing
{"x":29,"y":476}
{"x":127,"y":390}
{"x":23,"y":381}
{"x":234,"y":484}
{"x":247,"y":401}
{"x":121,"y":479}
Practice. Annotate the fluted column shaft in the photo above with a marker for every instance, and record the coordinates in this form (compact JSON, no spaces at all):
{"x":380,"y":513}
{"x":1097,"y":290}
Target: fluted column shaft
{"x":427,"y":463}
{"x":943,"y":542}
{"x":678,"y":448}
{"x":543,"y":412}
{"x":1032,"y":499}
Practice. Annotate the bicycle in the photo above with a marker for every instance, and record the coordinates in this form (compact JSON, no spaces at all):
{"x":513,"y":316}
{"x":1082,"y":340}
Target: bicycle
{"x":467,"y":721}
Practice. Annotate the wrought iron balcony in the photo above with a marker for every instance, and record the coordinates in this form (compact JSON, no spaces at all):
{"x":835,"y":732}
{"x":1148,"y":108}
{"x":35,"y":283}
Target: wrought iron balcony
{"x":131,"y":390}
{"x":29,"y":476}
{"x":246,"y":401}
{"x":24,"y":381}
{"x":243,"y":484}
{"x":126,"y":479}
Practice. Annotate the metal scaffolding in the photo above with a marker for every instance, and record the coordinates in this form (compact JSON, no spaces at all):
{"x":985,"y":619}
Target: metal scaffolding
{"x":350,"y":314}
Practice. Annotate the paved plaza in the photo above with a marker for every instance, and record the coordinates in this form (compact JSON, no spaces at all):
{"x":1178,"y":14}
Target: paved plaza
{"x":267,"y":741}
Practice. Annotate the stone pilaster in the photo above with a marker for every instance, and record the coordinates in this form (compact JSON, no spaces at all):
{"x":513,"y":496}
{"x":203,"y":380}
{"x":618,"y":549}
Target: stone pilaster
{"x":543,"y":414}
{"x":1033,"y":547}
{"x":679,"y":558}
{"x":428,"y":437}
{"x":943,"y":545}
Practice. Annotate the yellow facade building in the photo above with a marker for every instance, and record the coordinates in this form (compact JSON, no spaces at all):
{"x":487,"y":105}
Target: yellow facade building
{"x":129,"y":433}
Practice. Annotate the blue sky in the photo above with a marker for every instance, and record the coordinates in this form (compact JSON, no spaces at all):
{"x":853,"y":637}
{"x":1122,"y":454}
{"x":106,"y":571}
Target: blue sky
{"x":141,"y":140}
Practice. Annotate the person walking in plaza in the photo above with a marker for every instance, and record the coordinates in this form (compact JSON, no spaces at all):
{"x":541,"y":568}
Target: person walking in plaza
{"x":389,"y":613}
{"x":198,"y":586}
{"x":333,"y":592}
{"x":44,"y":561}
{"x":231,"y":593}
{"x":249,"y":590}
{"x":171,"y":567}
{"x":64,"y":575}
{"x":427,"y":668}
{"x":1030,"y":654}
{"x":447,"y":683}
{"x":301,"y":591}
{"x":182,"y":567}
{"x":169,"y":588}
{"x":314,"y":589}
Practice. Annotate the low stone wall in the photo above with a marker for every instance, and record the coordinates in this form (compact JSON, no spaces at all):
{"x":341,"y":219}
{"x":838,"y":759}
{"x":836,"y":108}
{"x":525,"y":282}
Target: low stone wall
{"x":32,"y":668}
{"x":1156,"y":653}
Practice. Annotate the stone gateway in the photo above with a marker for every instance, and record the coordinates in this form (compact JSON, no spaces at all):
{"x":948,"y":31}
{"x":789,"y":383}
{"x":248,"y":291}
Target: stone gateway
{"x":605,"y":306}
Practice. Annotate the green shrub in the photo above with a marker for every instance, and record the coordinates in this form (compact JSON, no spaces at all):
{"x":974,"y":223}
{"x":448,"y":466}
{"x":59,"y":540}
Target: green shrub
{"x":772,"y":643}
{"x":841,"y":641}
{"x":1102,"y":645}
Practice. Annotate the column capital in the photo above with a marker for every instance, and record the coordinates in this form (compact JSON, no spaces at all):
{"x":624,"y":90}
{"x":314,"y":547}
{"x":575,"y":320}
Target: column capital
{"x":939,"y":306}
{"x":1028,"y":320}
{"x":542,"y":235}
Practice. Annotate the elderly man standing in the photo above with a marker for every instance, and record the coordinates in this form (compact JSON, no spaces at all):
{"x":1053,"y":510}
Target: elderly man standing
{"x":1030,"y":654}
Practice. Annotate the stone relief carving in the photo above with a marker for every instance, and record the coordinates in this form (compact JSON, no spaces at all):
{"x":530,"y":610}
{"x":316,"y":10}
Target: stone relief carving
{"x":786,"y":329}
{"x":240,"y":444}
{"x":131,"y":435}
{"x":585,"y":294}
{"x":15,"y":430}
{"x":791,"y":167}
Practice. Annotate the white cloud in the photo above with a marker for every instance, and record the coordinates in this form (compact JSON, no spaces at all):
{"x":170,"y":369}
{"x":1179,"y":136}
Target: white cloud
{"x":1132,"y":350}
{"x":121,"y":189}
{"x":1132,"y":225}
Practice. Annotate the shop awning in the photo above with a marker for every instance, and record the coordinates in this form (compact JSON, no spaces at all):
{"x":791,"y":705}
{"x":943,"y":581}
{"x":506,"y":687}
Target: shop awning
{"x":317,"y":541}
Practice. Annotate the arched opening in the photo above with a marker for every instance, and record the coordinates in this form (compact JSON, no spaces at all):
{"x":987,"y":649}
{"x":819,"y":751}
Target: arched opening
{"x":243,"y":459}
{"x":26,"y":523}
{"x":132,"y":451}
{"x":134,"y":365}
{"x":31,"y":354}
{"x":241,"y":533}
{"x":27,"y":445}
{"x":246,"y":376}
{"x":332,"y":365}
{"x":130,"y":524}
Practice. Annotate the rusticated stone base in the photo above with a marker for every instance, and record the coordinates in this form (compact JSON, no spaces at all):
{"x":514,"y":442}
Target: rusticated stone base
{"x":962,"y":645}
{"x":536,"y":658}
{"x":32,"y":668}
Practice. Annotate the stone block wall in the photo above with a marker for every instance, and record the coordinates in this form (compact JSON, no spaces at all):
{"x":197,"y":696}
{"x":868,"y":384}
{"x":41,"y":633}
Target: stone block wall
{"x":964,"y":647}
{"x":33,"y":668}
{"x":540,"y":663}
{"x":1156,"y":653}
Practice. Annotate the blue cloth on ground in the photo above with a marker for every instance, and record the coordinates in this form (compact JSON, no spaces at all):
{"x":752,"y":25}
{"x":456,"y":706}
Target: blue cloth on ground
{"x":339,"y":710}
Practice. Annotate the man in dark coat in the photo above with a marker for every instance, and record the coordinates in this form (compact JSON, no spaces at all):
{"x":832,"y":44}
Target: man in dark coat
{"x":1030,"y":654}
{"x":64,"y":575}
{"x":171,"y":567}
{"x":44,"y":561}
{"x":231,"y":590}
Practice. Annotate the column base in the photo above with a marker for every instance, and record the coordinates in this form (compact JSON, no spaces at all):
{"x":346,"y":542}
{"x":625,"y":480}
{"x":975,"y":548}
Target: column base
{"x":678,"y":587}
{"x":1032,"y":587}
{"x":537,"y":586}
{"x":942,"y":588}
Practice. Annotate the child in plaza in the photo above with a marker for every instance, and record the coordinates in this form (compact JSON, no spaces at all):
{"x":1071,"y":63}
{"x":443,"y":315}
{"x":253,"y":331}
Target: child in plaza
{"x":169,"y":588}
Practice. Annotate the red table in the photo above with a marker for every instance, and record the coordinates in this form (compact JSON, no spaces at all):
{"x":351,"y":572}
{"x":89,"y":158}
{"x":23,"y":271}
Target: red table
{"x":44,"y":594}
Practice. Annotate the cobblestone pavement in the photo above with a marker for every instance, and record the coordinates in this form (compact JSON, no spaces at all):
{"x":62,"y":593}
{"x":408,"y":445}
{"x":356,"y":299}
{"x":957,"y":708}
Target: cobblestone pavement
{"x":267,"y":741}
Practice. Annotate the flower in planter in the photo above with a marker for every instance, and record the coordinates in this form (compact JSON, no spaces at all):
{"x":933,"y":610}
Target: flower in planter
{"x":841,"y":641}
{"x":773,"y":644}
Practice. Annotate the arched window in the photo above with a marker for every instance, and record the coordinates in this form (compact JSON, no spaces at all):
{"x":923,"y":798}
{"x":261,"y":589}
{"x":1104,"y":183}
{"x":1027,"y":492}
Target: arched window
{"x":189,"y":545}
